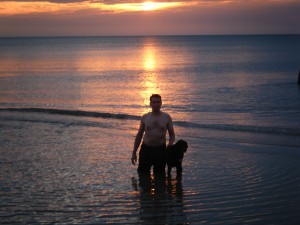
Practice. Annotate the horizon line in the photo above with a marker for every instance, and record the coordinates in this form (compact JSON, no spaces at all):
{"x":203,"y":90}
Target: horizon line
{"x":150,"y":35}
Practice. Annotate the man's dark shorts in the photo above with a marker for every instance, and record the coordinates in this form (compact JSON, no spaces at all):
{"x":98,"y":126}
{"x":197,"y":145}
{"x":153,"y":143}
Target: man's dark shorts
{"x":152,"y":156}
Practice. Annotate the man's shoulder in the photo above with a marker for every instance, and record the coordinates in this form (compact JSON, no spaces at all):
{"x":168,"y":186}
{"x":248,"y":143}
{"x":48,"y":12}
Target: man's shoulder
{"x":149,"y":115}
{"x":166,"y":114}
{"x":146,"y":114}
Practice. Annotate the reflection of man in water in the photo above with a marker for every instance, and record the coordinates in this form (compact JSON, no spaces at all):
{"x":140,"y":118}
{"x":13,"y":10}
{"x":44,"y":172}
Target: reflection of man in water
{"x":153,"y":128}
{"x":160,"y":203}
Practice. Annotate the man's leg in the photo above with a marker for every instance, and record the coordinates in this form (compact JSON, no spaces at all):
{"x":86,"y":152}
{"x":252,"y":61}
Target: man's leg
{"x":160,"y":161}
{"x":144,"y":162}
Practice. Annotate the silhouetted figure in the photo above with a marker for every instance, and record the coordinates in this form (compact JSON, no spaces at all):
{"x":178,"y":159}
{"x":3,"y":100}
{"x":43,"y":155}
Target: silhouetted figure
{"x":175,"y":155}
{"x":299,"y":78}
{"x":152,"y":134}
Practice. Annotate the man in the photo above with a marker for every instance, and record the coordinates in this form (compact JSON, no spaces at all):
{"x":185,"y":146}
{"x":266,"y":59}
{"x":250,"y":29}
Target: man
{"x":153,"y":128}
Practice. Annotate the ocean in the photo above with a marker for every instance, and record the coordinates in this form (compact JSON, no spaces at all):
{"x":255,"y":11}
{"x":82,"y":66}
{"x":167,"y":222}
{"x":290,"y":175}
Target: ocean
{"x":70,"y":108}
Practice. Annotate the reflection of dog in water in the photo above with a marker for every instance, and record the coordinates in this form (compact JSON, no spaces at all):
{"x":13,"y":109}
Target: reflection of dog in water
{"x":175,"y":155}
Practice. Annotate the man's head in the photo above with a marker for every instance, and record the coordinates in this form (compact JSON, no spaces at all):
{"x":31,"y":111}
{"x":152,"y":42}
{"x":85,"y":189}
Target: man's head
{"x":155,"y":102}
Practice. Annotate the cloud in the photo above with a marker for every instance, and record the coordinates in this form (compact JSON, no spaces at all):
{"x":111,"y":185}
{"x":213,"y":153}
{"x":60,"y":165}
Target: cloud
{"x":79,"y":18}
{"x":46,"y":7}
{"x":52,"y":1}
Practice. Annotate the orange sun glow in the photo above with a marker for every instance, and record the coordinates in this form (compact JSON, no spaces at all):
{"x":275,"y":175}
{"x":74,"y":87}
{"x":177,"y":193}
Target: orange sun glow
{"x":19,"y":7}
{"x":148,"y":6}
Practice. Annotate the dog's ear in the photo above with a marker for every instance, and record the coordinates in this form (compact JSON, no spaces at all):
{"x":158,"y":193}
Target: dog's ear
{"x":185,"y":146}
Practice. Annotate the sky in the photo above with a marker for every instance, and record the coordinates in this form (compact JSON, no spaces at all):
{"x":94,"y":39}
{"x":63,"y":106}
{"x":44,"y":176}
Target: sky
{"x":143,"y":17}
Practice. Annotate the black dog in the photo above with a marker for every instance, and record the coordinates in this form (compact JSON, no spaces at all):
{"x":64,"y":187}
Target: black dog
{"x":175,"y":156}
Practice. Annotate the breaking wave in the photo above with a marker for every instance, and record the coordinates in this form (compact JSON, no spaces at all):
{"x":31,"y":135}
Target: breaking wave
{"x":121,"y":116}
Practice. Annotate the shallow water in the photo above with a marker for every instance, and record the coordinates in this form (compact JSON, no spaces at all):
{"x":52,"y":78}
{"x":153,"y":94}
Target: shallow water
{"x":70,"y":170}
{"x":235,"y":80}
{"x":70,"y":109}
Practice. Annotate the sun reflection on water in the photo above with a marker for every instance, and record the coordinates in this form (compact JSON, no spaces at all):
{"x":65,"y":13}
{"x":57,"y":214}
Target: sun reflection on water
{"x":149,"y":58}
{"x":150,"y":79}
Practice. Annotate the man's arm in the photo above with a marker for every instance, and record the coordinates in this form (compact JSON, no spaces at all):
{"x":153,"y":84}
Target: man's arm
{"x":137,"y":141}
{"x":171,"y":132}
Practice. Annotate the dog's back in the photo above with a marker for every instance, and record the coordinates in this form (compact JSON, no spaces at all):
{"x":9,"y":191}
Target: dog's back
{"x":174,"y":155}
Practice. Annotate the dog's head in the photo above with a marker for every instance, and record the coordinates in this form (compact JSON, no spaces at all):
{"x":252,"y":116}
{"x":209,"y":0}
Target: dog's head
{"x":182,"y":145}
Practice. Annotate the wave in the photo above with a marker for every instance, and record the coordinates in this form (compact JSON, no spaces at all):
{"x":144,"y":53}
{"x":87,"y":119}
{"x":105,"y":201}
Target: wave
{"x":224,"y":127}
{"x":245,"y":128}
{"x":73,"y":113}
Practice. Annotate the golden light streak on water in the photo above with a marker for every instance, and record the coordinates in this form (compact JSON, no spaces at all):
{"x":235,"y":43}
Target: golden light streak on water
{"x":150,"y":82}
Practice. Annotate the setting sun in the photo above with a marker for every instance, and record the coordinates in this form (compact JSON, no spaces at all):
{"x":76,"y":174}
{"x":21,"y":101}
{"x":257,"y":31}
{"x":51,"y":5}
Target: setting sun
{"x":143,"y":6}
{"x":19,"y":7}
{"x":147,"y":17}
{"x":147,"y":6}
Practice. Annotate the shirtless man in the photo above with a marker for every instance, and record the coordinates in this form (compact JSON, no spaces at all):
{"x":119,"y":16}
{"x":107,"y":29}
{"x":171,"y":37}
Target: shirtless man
{"x":153,"y":128}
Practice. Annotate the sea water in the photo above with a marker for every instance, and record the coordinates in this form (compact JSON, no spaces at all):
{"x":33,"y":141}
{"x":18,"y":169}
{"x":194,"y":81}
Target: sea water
{"x":70,"y":108}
